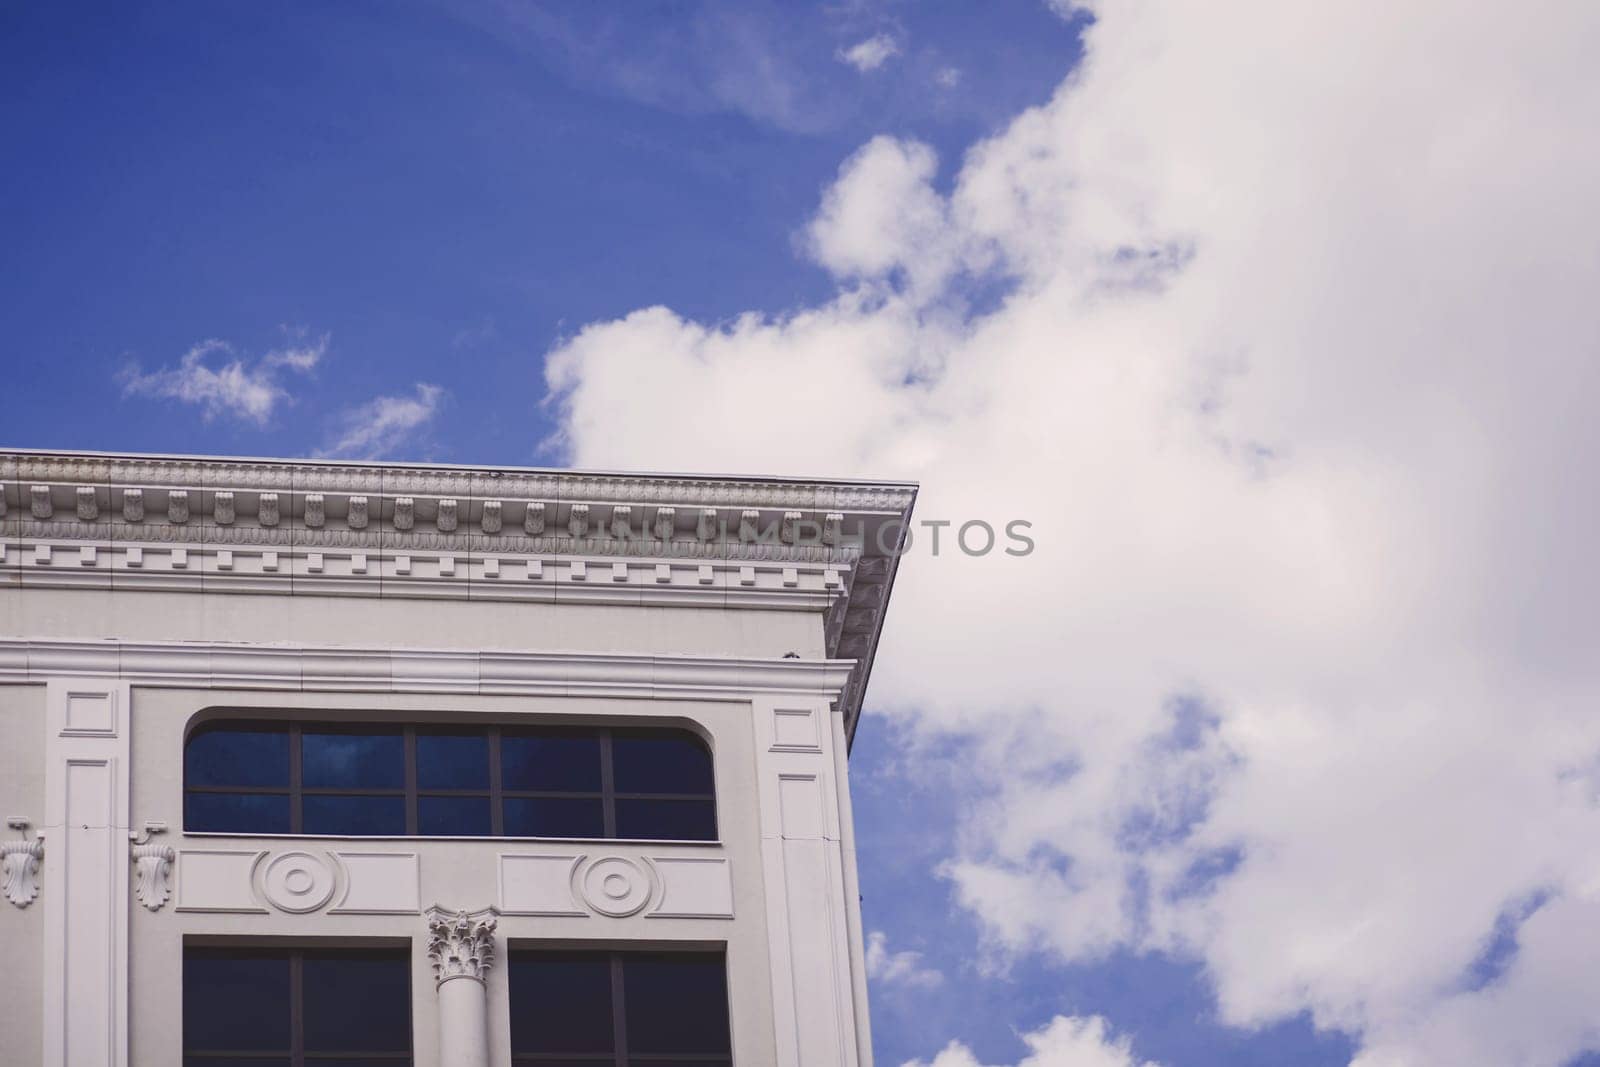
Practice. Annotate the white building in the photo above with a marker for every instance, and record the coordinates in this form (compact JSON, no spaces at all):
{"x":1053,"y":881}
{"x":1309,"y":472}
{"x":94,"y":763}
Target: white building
{"x":353,"y":764}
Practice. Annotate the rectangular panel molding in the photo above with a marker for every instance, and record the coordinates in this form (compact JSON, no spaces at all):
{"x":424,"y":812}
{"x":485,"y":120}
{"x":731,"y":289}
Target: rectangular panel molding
{"x":85,"y":892}
{"x":538,"y":885}
{"x":380,"y":883}
{"x":218,"y":880}
{"x":804,"y":865}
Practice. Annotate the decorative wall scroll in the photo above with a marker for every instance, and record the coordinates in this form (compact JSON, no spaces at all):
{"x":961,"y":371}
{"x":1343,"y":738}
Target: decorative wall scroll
{"x":615,"y":886}
{"x":298,"y":882}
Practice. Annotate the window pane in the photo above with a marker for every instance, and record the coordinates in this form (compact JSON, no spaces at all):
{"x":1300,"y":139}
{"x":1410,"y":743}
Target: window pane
{"x":446,"y":816}
{"x":236,"y":813}
{"x":660,"y":762}
{"x":453,"y":761}
{"x":357,"y":1002}
{"x":559,"y":761}
{"x":667,"y":820}
{"x":553,"y":817}
{"x":226,"y":756}
{"x":560,"y":1002}
{"x":235,"y":1061}
{"x":235,"y":1000}
{"x":355,"y":816}
{"x":675,"y":1003}
{"x":353,"y":761}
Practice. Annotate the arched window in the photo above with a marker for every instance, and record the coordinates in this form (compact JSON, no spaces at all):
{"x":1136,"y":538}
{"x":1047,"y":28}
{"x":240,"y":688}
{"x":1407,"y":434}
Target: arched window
{"x":292,"y":777}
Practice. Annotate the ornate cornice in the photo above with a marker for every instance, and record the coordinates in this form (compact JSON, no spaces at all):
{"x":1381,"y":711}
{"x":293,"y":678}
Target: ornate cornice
{"x":253,"y":526}
{"x":461,"y":944}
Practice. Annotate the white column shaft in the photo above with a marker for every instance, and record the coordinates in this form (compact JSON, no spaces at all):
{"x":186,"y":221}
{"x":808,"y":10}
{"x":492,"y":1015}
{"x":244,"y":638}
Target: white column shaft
{"x":463,"y":1023}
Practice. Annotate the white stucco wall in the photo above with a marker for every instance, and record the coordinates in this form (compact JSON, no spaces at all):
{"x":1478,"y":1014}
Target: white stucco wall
{"x":137,"y":593}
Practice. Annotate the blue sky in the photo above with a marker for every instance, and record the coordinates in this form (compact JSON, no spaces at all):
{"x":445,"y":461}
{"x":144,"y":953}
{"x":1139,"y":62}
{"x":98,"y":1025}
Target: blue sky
{"x":443,"y":191}
{"x":1275,"y":320}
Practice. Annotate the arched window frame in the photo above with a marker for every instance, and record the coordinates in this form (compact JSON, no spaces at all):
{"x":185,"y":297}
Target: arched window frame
{"x":617,"y":803}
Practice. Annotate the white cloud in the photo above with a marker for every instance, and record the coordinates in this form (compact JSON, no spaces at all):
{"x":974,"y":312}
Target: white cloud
{"x":384,"y":424}
{"x":900,"y":968}
{"x":1065,"y":1042}
{"x":947,"y":77}
{"x":870,"y":54}
{"x":1295,"y":381}
{"x":1071,"y":9}
{"x":213,"y":376}
{"x":882,"y":218}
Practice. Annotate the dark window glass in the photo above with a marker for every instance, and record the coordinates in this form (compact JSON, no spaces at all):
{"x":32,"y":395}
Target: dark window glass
{"x":237,"y":813}
{"x":554,"y":817}
{"x":453,"y":816}
{"x":357,"y":1002}
{"x":667,"y":820}
{"x":657,"y":762}
{"x":550,"y":761}
{"x":354,"y":816}
{"x":292,"y":1007}
{"x":675,"y":1003}
{"x":228,"y":756}
{"x":453,"y":761}
{"x":235,"y":1000}
{"x":619,"y":1008}
{"x":353,"y":760}
{"x":561,"y":1002}
{"x":562,"y":782}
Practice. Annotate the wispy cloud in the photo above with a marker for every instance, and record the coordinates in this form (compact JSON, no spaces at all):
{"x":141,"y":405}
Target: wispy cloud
{"x":381,"y":425}
{"x":947,"y":77}
{"x":870,"y":54}
{"x":904,"y":967}
{"x":215,"y":377}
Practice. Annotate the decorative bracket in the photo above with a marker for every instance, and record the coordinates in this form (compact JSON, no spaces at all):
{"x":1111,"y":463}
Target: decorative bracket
{"x":152,"y":872}
{"x":19,"y":864}
{"x":460,"y":943}
{"x":152,"y":867}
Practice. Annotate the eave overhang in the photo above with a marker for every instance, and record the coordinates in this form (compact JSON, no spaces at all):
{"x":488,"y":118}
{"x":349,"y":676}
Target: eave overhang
{"x":320,"y":528}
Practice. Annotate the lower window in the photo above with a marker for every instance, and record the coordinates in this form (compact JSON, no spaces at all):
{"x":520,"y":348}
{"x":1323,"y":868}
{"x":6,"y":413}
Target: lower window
{"x":619,"y":1009}
{"x":296,"y":1007}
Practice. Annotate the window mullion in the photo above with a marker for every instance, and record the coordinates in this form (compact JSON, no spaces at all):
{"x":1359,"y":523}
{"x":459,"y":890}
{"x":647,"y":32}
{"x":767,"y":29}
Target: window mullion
{"x":297,"y":1023}
{"x":497,"y":822}
{"x":619,"y":1016}
{"x":410,"y":734}
{"x":608,"y":787}
{"x":296,"y":824}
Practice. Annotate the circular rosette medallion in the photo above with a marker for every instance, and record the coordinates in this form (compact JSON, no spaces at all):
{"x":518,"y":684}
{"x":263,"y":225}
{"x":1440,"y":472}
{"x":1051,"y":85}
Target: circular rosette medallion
{"x":297,"y":882}
{"x":615,"y":886}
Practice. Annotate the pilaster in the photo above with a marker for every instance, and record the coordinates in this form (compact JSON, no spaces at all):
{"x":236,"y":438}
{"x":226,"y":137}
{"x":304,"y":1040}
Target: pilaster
{"x":85,"y":886}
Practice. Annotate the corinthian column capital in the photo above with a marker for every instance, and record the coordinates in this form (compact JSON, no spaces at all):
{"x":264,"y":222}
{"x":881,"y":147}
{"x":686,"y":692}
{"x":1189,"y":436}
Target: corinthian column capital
{"x":461,"y":943}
